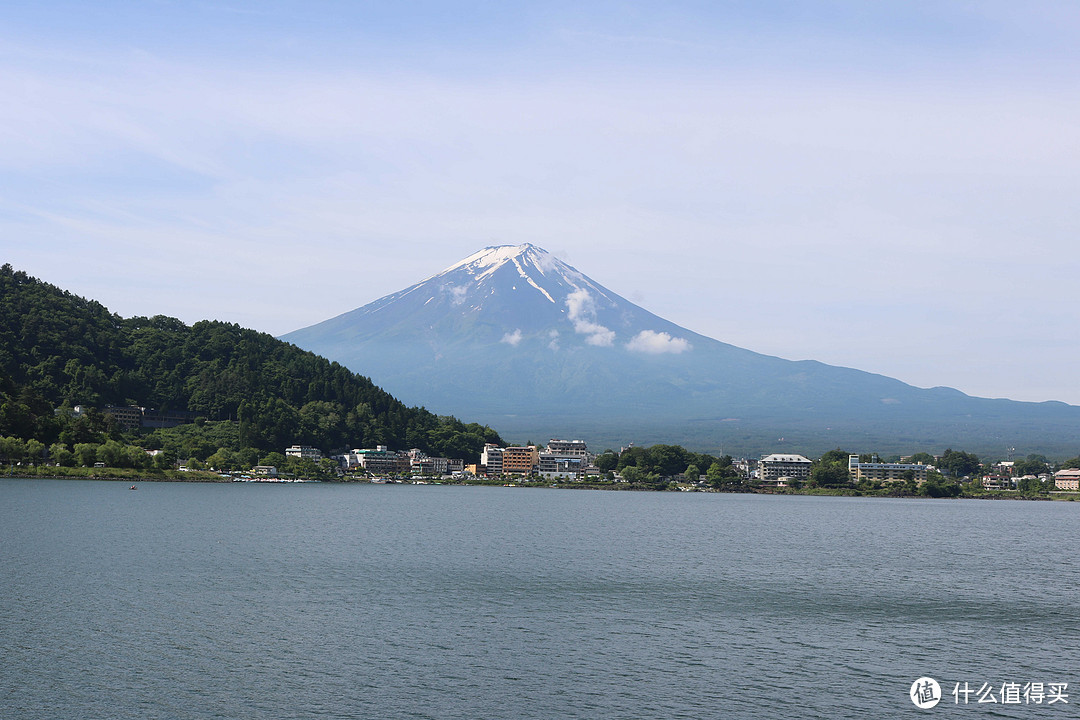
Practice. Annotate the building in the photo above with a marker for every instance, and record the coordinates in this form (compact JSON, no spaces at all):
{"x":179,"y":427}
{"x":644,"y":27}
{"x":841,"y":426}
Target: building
{"x":380,"y":461}
{"x":568,"y":448}
{"x":771,"y":468}
{"x":1067,"y":479}
{"x":304,"y":452}
{"x":553,"y":466}
{"x":491,"y":459}
{"x":520,"y":460}
{"x":128,"y":417}
{"x":563,"y":459}
{"x":885,"y":472}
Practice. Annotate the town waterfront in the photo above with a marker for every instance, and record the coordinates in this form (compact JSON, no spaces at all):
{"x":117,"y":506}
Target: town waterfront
{"x":188,"y":600}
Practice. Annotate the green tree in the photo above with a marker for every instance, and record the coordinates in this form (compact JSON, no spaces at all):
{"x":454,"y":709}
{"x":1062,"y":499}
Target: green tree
{"x":275,"y":458}
{"x":85,"y":454}
{"x":831,"y":470}
{"x":223,"y":459}
{"x":1030,"y":486}
{"x":59,"y":454}
{"x":937,"y":486}
{"x":12,"y":449}
{"x":112,"y":454}
{"x":136,"y":457}
{"x":1032,"y":465}
{"x":607,"y":461}
{"x":35,"y":450}
{"x":958,"y":463}
{"x":1070,"y":463}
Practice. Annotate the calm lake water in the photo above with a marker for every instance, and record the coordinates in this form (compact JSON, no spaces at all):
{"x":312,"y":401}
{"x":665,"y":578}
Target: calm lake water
{"x":366,"y":601}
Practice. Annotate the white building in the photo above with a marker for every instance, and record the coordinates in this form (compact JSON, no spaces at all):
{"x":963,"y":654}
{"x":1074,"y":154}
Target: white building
{"x":304,"y":452}
{"x":491,"y":458}
{"x":771,"y":468}
{"x":380,"y":461}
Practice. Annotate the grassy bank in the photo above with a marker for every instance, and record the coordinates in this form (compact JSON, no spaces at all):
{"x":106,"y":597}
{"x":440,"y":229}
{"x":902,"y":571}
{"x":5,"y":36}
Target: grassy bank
{"x":124,"y":474}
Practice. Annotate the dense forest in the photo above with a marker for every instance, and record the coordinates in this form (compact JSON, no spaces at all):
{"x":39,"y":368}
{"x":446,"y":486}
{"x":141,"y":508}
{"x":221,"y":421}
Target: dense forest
{"x":58,"y":350}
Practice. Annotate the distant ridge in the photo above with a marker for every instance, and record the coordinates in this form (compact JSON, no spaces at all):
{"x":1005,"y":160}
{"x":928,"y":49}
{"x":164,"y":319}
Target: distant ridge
{"x":516,"y":337}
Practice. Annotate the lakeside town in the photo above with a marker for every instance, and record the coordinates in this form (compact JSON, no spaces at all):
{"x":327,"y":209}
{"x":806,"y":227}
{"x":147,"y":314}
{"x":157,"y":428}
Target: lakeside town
{"x":565,"y":461}
{"x":559,"y":463}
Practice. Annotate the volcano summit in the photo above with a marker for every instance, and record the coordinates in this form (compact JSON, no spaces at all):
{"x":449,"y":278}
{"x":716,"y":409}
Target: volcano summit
{"x":514,"y":337}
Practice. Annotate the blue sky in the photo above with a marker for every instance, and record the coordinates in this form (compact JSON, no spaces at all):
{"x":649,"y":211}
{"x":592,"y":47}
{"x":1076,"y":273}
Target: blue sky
{"x":890,"y":186}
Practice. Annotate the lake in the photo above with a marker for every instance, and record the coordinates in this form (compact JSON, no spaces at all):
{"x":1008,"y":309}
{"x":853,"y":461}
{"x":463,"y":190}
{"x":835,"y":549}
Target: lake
{"x":381,"y":601}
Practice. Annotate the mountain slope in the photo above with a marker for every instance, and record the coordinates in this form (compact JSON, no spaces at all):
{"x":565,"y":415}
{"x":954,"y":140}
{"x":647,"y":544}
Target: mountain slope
{"x":57,"y":348}
{"x":524,"y":341}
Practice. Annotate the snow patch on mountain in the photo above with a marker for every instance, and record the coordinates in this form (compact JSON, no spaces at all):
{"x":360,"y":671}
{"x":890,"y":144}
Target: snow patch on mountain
{"x":582,"y":313}
{"x":657,"y":343}
{"x":532,"y":282}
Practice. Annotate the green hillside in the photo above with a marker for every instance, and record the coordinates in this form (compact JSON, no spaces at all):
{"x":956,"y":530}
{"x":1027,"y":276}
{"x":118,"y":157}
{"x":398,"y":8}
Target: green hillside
{"x":58,"y":350}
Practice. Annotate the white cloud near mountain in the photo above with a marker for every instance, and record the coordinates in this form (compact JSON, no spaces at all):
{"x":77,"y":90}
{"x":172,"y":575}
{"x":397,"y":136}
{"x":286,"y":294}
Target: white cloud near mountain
{"x":512,"y":338}
{"x":581,"y":309}
{"x":457,"y":294}
{"x":657,"y":343}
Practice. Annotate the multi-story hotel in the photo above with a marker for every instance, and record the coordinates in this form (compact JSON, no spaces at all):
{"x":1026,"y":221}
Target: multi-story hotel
{"x":793,"y":467}
{"x":520,"y":460}
{"x":886,"y":472}
{"x":491,"y":459}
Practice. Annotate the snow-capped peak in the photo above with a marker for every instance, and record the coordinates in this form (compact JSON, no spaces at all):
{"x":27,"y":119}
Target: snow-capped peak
{"x":490,"y":259}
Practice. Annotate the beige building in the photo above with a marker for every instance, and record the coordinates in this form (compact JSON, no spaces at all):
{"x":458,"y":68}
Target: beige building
{"x":520,"y":460}
{"x":885,"y":472}
{"x":1067,"y":479}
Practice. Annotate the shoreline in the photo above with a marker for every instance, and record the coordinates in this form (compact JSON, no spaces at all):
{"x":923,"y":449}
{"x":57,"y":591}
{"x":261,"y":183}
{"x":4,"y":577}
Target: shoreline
{"x":175,"y":476}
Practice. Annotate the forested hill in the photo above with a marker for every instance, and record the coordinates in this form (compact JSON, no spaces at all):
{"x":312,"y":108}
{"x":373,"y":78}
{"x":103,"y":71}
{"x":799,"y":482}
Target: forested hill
{"x":57,"y":349}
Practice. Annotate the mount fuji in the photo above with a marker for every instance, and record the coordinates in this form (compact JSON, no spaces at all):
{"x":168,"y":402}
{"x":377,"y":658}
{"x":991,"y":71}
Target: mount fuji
{"x":514,"y":337}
